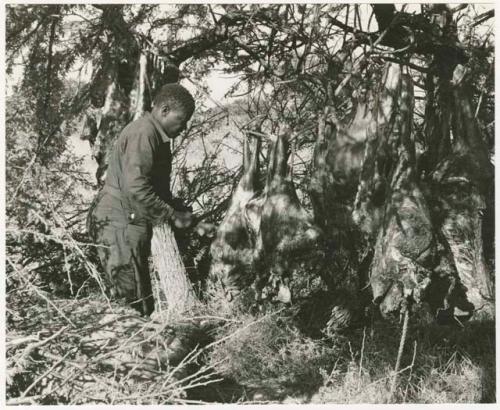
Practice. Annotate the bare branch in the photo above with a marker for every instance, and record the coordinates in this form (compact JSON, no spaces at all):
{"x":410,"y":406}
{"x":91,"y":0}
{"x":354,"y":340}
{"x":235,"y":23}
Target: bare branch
{"x":483,"y":17}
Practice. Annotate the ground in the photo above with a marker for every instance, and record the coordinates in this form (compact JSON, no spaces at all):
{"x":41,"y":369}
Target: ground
{"x":240,"y":358}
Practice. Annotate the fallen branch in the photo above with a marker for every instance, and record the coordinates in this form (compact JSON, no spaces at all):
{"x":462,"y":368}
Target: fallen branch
{"x":45,"y":374}
{"x":18,"y":401}
{"x":31,"y":347}
{"x":21,"y":341}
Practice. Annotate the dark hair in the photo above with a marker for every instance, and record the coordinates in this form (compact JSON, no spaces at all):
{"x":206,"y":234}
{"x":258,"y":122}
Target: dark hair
{"x":176,"y":95}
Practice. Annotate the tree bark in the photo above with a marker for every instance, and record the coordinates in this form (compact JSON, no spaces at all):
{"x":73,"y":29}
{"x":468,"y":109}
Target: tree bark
{"x":174,"y":285}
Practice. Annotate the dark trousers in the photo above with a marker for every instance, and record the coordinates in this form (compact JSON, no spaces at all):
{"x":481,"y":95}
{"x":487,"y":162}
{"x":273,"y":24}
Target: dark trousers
{"x":124,"y":252}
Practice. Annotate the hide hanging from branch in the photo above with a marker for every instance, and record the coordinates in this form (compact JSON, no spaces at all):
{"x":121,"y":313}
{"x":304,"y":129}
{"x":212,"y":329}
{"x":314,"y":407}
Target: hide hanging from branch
{"x":264,"y":233}
{"x":404,"y":241}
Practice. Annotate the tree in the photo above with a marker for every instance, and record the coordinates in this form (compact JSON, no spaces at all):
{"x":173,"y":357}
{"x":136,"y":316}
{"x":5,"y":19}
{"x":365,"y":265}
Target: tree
{"x":292,"y":61}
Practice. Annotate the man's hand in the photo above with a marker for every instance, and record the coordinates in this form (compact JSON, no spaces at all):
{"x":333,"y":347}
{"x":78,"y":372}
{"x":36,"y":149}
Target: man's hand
{"x":182,"y":220}
{"x":205,"y":229}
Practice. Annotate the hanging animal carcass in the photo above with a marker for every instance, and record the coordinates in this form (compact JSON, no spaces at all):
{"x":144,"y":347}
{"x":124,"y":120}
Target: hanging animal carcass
{"x":286,"y":231}
{"x":404,"y":245}
{"x":462,"y":184}
{"x":233,"y":250}
{"x":337,"y":161}
{"x":390,"y":206}
{"x":337,"y":165}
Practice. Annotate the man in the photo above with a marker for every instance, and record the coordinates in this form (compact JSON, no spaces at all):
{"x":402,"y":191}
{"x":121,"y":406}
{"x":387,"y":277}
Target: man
{"x":136,"y":195}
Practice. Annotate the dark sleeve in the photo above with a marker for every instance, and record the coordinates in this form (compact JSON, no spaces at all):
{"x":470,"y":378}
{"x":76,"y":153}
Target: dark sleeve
{"x":164,"y":169}
{"x":138,"y":165}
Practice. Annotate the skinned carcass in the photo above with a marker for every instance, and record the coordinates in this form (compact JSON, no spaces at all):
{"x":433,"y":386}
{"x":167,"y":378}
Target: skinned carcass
{"x":286,"y":230}
{"x":405,"y":246}
{"x":233,"y":250}
{"x":337,"y":163}
{"x":372,"y":186}
{"x":409,"y":264}
{"x":461,"y":182}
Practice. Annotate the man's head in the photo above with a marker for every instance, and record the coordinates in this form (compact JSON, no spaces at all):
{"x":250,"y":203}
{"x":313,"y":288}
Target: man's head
{"x":172,"y":108}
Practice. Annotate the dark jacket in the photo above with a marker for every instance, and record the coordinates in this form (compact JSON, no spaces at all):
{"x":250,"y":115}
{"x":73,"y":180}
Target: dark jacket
{"x":138,"y":174}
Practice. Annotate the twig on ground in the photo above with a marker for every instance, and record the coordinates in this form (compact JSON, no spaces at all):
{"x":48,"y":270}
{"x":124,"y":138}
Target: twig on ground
{"x":18,"y":401}
{"x":78,"y":366}
{"x":37,"y":291}
{"x":39,"y":344}
{"x":21,"y":341}
{"x":46,"y":373}
{"x":225,"y":319}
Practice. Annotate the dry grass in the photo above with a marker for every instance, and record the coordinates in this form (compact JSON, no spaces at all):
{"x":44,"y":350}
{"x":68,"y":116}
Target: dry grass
{"x":274,"y":362}
{"x":440,"y":365}
{"x":233,"y":356}
{"x":272,"y":359}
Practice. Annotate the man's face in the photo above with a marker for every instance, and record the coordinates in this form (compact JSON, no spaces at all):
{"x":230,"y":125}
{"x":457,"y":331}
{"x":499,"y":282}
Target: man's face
{"x":172,"y":119}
